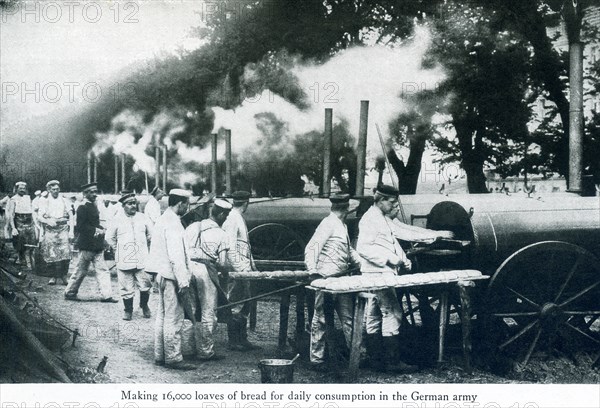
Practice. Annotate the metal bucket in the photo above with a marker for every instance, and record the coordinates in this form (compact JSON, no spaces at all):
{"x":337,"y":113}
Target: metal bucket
{"x":276,"y":371}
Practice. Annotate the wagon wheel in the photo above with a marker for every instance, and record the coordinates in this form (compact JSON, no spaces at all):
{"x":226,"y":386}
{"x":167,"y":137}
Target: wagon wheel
{"x":542,"y":293}
{"x":276,"y":242}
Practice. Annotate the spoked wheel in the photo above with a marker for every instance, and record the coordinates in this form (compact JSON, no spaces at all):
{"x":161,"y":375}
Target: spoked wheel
{"x":544,"y":293}
{"x":276,"y":242}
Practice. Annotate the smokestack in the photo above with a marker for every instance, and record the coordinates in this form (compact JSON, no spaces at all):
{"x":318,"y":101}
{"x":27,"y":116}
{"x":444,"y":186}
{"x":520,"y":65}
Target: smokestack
{"x":327,"y":141}
{"x":164,"y":153}
{"x":95,"y":168}
{"x":157,"y":161}
{"x":228,"y":187}
{"x":116,"y":173}
{"x":123,"y":171}
{"x":89,"y":167}
{"x":213,"y":173}
{"x":361,"y":150}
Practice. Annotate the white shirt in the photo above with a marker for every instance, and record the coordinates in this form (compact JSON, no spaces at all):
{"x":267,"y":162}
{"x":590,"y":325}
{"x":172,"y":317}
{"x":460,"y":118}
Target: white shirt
{"x":240,"y":255}
{"x":56,"y":208}
{"x":377,"y":244}
{"x":152,"y":209}
{"x":329,"y":251}
{"x":130,"y":236}
{"x":167,"y":255}
{"x":207,"y":241}
{"x":20,"y":204}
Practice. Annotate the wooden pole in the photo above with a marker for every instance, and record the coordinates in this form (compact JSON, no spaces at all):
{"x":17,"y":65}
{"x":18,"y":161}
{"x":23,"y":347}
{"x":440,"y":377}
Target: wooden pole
{"x":213,"y":173}
{"x":95,"y":179}
{"x":116,"y":173}
{"x":89,"y":167}
{"x":327,"y":142}
{"x":228,"y":186}
{"x":157,"y":162}
{"x":361,"y":151}
{"x":46,"y":358}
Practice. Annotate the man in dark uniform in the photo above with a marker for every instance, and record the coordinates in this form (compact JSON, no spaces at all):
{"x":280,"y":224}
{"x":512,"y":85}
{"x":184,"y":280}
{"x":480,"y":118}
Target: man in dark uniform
{"x":90,"y":241}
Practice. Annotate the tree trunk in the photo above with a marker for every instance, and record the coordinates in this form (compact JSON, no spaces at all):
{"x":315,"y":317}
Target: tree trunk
{"x":472,"y":160}
{"x":408,"y":175}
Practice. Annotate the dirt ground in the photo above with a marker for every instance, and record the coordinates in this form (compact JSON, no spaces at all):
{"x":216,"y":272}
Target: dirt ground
{"x":128,"y":347}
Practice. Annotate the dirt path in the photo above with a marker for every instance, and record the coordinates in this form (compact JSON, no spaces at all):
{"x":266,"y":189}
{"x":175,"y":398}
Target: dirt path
{"x":129,"y":348}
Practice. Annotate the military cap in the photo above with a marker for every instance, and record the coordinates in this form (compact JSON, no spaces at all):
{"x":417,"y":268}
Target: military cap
{"x":241,"y":196}
{"x":180,"y":192}
{"x":44,"y":194}
{"x":387,"y":191}
{"x":224,"y":204}
{"x":340,"y":198}
{"x":38,"y":193}
{"x":52,"y":183}
{"x":154,"y":190}
{"x":20,"y":183}
{"x":88,"y":185}
{"x":126,"y":197}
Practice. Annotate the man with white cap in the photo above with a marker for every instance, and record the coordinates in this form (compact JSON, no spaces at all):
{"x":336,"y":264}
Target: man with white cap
{"x":56,"y":221}
{"x":378,"y":245}
{"x":168,"y":259}
{"x":329,"y":253}
{"x":208,"y":245}
{"x":129,"y":234}
{"x":90,"y":241}
{"x":20,"y":217}
{"x":239,"y":259}
{"x":152,"y":208}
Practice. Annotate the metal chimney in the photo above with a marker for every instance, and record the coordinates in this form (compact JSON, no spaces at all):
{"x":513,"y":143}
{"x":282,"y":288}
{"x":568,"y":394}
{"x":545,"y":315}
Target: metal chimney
{"x":164,"y":154}
{"x":327,"y":142}
{"x":157,"y":162}
{"x":89,"y":167}
{"x":123,"y":171}
{"x":228,"y":186}
{"x":361,"y":150}
{"x":116,"y":173}
{"x":576,"y":120}
{"x":213,"y":173}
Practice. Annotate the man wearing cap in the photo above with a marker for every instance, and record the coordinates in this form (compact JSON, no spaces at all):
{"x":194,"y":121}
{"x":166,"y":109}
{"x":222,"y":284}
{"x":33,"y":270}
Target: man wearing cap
{"x":379,"y":231}
{"x":56,"y":220}
{"x":208,"y":245}
{"x":90,"y":241}
{"x":168,"y":259}
{"x":20,"y":218}
{"x":152,"y":209}
{"x":328,"y":254}
{"x":240,"y":259}
{"x":129,"y":235}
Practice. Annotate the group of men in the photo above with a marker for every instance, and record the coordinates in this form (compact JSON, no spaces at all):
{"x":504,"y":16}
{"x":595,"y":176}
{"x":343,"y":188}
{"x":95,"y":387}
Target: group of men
{"x":189,"y":265}
{"x":329,"y":254}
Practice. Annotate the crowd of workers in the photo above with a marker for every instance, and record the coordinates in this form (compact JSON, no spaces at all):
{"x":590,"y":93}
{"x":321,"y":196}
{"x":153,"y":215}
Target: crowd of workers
{"x":187,"y":264}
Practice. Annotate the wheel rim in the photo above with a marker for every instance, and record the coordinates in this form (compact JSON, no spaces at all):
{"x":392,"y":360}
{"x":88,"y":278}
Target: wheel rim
{"x":544,"y":291}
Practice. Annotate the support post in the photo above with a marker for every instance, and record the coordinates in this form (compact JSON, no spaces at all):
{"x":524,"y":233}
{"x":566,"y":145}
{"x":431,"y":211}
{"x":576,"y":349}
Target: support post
{"x":576,"y":119}
{"x":327,"y":142}
{"x":95,"y":176}
{"x":123,"y":178}
{"x":164,"y":157}
{"x":116,"y":173}
{"x":157,"y":162}
{"x":89,"y":167}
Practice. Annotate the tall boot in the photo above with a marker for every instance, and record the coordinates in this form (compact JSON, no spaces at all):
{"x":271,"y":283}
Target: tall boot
{"x":392,"y":362}
{"x":128,"y":314}
{"x":244,"y":335}
{"x":234,"y":334}
{"x":144,"y":297}
{"x":374,"y":346}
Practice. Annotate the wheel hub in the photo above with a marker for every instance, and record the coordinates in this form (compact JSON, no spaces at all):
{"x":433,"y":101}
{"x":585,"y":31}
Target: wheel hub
{"x":550,"y":311}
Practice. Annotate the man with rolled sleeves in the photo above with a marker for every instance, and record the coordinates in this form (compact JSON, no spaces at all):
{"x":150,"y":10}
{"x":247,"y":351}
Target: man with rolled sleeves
{"x":90,"y":241}
{"x":239,"y":259}
{"x":377,"y":244}
{"x":208,"y":245}
{"x":129,"y":234}
{"x":329,"y":253}
{"x":169,"y":260}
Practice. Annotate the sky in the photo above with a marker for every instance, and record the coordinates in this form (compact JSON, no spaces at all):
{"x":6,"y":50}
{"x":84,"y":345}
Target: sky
{"x":53,"y":53}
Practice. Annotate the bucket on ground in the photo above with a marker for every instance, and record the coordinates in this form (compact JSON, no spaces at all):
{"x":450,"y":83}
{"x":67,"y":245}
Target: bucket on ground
{"x":276,"y":371}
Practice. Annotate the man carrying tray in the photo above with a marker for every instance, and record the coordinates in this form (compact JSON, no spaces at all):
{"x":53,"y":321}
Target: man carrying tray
{"x":329,"y":253}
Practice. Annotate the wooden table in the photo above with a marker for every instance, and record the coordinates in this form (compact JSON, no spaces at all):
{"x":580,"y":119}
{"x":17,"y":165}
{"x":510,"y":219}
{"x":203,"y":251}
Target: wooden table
{"x":364,"y":294}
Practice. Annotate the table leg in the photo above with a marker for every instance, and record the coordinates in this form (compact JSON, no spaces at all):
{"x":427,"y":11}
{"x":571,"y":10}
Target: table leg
{"x":357,"y":329}
{"x":300,"y":301}
{"x":443,"y":309}
{"x":284,"y":313}
{"x":465,"y":319}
